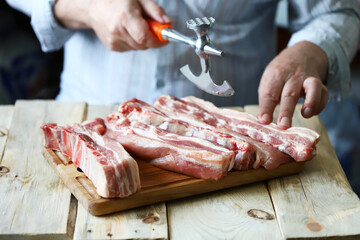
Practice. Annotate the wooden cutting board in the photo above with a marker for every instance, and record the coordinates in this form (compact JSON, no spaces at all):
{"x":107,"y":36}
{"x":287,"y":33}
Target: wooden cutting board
{"x":157,"y":185}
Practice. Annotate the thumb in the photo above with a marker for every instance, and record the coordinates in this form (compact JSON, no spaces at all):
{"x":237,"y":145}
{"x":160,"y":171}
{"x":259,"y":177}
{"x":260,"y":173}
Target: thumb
{"x":154,"y":11}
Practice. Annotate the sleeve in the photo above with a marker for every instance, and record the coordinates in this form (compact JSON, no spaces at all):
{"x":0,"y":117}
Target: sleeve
{"x":51,"y":34}
{"x":334,"y":26}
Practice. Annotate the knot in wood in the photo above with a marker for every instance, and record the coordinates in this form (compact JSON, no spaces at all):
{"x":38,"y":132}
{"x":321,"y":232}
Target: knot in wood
{"x":151,"y":219}
{"x":4,"y":169}
{"x":314,"y":226}
{"x":3,"y":131}
{"x":260,"y":214}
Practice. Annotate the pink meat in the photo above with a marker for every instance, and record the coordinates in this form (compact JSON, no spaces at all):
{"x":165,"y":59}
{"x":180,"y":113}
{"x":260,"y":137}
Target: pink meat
{"x":298,"y":142}
{"x":104,"y":161}
{"x":247,"y":154}
{"x":188,"y":155}
{"x":50,"y":138}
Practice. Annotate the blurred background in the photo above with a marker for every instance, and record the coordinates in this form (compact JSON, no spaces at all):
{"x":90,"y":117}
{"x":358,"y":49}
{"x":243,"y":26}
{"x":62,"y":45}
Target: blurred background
{"x":25,"y":71}
{"x":28,"y":73}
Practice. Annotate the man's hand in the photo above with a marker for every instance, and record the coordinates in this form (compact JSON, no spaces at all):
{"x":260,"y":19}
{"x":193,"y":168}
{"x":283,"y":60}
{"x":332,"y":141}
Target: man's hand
{"x":119,"y":24}
{"x":298,"y":71}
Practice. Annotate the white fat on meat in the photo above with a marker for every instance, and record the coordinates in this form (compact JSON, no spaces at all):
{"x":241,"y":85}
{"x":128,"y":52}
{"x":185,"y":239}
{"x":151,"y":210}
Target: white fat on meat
{"x":248,"y":154}
{"x":169,"y":150}
{"x":104,"y":161}
{"x":298,"y":142}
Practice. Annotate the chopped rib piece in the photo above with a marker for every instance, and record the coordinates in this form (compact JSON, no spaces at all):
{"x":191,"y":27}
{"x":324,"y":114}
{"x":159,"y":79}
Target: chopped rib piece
{"x":298,"y":142}
{"x":104,"y":161}
{"x":248,"y":154}
{"x":50,"y":136}
{"x":187,"y":155}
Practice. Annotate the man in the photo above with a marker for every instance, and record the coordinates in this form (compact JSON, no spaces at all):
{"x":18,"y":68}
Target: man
{"x":101,"y":66}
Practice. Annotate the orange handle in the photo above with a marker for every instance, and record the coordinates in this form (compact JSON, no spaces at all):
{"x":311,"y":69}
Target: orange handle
{"x":157,"y":27}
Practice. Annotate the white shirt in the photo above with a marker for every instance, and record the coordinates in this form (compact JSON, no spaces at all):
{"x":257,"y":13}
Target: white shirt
{"x":245,"y":30}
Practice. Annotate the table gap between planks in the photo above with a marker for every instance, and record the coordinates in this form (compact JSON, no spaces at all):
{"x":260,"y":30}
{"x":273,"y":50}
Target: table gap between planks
{"x":35,"y":204}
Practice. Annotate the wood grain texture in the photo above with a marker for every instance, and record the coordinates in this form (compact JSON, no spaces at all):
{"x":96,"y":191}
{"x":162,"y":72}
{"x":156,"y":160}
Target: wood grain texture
{"x":315,"y":203}
{"x":142,"y":223}
{"x":319,"y":201}
{"x":158,"y":185}
{"x":148,"y":222}
{"x":35,"y":204}
{"x":239,"y":213}
{"x":6,"y":113}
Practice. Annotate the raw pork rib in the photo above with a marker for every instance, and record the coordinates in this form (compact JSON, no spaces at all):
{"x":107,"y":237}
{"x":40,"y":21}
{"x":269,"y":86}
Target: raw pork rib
{"x":104,"y":161}
{"x":188,"y":155}
{"x":188,"y":136}
{"x":248,"y":154}
{"x":298,"y":142}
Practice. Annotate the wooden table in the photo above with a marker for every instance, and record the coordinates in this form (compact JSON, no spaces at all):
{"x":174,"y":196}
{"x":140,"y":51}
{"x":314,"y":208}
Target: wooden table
{"x":35,"y":204}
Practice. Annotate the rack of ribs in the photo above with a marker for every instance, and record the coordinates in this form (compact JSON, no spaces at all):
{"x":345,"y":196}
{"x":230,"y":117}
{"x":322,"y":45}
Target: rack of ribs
{"x":248,"y":153}
{"x":188,"y":155}
{"x":188,"y":136}
{"x":298,"y":142}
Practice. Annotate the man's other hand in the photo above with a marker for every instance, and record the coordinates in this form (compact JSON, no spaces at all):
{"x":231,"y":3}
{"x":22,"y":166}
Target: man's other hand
{"x":298,"y":71}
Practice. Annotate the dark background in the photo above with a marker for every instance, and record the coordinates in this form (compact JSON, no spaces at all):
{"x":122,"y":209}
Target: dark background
{"x":25,"y":71}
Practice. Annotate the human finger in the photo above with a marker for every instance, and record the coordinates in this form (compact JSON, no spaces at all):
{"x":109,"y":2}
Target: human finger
{"x":289,"y":98}
{"x":139,"y":31}
{"x":157,"y":13}
{"x":324,"y":100}
{"x":154,"y":11}
{"x":124,"y":36}
{"x":316,"y":97}
{"x":135,"y":24}
{"x":120,"y":46}
{"x":269,"y":92}
{"x":312,"y":88}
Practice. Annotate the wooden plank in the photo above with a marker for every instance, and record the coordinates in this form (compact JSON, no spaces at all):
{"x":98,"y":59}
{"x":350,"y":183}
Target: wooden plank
{"x":36,"y":204}
{"x":157,"y":185}
{"x":319,"y":201}
{"x":6,"y":113}
{"x":239,"y":213}
{"x":142,"y":223}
